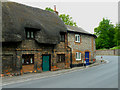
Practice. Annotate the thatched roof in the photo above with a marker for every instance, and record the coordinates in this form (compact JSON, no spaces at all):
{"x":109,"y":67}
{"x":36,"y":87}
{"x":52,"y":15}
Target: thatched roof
{"x":15,"y":17}
{"x":76,"y":29}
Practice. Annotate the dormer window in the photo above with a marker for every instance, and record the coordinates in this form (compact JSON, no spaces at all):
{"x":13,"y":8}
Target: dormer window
{"x":77,"y":38}
{"x":30,"y":34}
{"x":62,"y":37}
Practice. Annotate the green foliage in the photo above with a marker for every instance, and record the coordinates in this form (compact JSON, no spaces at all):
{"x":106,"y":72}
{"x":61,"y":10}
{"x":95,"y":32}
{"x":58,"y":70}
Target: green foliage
{"x":105,"y":33}
{"x":49,"y":9}
{"x":117,"y":35}
{"x":66,"y":18}
{"x":117,"y":47}
{"x":102,"y":49}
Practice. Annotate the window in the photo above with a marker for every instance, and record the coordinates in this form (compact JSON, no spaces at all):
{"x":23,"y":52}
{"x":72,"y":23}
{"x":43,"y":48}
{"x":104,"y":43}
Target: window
{"x":27,"y":59}
{"x":61,"y":58}
{"x":62,"y":37}
{"x":29,"y":34}
{"x":77,"y":38}
{"x":78,"y":56}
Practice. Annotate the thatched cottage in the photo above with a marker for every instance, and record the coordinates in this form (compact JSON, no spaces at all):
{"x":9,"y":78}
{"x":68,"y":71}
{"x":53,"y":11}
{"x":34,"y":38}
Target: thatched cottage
{"x":35,"y":40}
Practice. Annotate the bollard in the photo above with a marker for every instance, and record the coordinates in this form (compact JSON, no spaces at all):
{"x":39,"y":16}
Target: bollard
{"x":84,"y":62}
{"x":101,"y":59}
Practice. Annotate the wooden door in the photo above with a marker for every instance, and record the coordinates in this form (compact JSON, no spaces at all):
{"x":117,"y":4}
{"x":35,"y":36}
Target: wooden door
{"x":87,"y":58}
{"x":46,"y":63}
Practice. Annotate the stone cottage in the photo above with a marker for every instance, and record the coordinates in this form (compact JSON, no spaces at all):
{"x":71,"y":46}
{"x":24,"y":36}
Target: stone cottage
{"x":35,"y":40}
{"x":82,"y":44}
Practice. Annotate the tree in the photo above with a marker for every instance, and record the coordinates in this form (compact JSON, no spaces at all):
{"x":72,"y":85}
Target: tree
{"x":105,"y":33}
{"x":116,"y":35}
{"x":49,"y":9}
{"x":66,"y":18}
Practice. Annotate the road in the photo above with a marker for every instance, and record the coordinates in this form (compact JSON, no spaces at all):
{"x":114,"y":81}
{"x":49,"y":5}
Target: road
{"x":101,"y":76}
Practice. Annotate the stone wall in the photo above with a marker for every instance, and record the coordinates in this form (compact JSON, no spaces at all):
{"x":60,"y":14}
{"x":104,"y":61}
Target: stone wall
{"x":108,"y":52}
{"x":15,"y":51}
{"x":8,"y":57}
{"x":87,"y":43}
{"x":62,"y":48}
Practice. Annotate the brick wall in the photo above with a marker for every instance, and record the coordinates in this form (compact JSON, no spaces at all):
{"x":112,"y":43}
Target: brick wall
{"x":32,"y":47}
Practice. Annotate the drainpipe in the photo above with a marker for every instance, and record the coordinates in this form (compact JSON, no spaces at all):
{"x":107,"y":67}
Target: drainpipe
{"x":70,"y":50}
{"x":70,"y":57}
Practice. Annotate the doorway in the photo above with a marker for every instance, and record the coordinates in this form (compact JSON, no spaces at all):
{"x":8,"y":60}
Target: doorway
{"x":46,"y":66}
{"x":87,"y":58}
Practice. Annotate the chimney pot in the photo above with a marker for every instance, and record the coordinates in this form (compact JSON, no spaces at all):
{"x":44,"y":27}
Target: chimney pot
{"x":54,"y":7}
{"x":55,"y":10}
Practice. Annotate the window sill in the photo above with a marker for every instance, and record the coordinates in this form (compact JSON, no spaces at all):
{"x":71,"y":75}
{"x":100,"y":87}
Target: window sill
{"x":77,"y":41}
{"x":30,"y":38}
{"x":78,"y":59}
{"x":60,"y":62}
{"x":62,"y":41}
{"x":28,"y":64}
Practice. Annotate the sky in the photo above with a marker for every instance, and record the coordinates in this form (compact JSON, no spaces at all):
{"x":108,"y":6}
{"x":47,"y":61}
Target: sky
{"x":87,"y":14}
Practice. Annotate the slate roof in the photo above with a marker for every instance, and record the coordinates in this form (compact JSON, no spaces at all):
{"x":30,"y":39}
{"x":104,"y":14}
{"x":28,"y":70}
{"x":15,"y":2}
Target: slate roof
{"x":76,"y":29}
{"x":16,"y":17}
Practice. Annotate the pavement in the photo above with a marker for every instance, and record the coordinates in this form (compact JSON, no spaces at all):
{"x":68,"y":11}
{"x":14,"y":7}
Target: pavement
{"x":35,"y":76}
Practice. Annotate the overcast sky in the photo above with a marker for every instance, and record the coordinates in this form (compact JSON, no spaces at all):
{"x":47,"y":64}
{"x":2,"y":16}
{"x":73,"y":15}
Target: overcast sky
{"x":86,"y":14}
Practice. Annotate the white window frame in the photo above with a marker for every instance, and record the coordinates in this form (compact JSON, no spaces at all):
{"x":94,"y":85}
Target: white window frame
{"x":78,"y":56}
{"x":32,"y":34}
{"x":28,"y":34}
{"x":78,"y":38}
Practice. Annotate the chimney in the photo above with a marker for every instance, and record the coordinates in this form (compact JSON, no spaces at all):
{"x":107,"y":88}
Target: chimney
{"x":55,"y":10}
{"x":54,"y":7}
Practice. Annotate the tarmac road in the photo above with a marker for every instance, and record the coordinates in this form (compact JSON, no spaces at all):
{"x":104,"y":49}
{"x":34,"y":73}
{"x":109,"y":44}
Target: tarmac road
{"x":101,"y":76}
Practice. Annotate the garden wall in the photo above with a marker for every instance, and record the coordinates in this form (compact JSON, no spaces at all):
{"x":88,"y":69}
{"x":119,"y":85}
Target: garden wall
{"x":108,"y":52}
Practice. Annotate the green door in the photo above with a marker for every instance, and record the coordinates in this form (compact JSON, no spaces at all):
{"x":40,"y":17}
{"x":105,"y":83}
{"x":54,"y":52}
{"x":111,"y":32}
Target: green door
{"x":45,"y":64}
